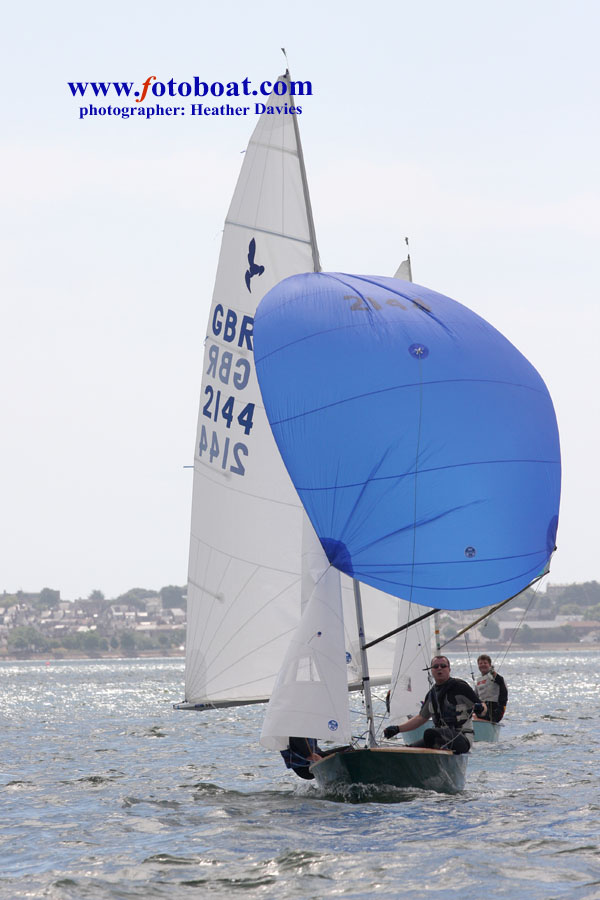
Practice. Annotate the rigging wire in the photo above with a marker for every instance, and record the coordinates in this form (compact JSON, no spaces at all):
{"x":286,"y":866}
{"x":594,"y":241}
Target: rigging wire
{"x":417,"y":452}
{"x":468,"y":649}
{"x":414,"y":545}
{"x":525,"y":612}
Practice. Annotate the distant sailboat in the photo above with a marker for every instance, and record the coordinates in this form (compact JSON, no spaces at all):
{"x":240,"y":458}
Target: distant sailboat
{"x":307,"y":547}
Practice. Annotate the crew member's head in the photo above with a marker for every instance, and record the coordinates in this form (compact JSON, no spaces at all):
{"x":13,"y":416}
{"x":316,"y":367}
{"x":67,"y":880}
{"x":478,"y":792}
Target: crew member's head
{"x":485,"y":663}
{"x":440,"y":669}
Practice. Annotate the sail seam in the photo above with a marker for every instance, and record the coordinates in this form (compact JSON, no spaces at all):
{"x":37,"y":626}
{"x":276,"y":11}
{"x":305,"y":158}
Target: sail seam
{"x":210,"y":636}
{"x":465,"y":587}
{"x":276,"y":149}
{"x":217,"y":675}
{"x":396,"y":387}
{"x":375,"y":567}
{"x":238,"y":559}
{"x":231,"y":606}
{"x":243,"y":624}
{"x":484,"y":462}
{"x":281,"y":234}
{"x":229,"y":487}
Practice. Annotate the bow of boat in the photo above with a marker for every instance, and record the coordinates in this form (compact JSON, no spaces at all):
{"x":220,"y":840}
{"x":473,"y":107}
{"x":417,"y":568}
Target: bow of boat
{"x":404,"y":767}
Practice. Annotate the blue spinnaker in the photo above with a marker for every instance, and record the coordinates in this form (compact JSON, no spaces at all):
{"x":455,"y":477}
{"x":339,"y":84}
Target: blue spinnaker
{"x":422,"y":443}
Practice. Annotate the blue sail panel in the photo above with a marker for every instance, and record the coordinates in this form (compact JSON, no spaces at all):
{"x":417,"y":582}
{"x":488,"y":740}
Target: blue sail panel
{"x":422,"y":443}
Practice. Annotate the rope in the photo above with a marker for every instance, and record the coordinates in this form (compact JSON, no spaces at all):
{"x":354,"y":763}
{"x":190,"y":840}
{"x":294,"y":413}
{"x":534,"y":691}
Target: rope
{"x":533,"y":597}
{"x":469,"y":657}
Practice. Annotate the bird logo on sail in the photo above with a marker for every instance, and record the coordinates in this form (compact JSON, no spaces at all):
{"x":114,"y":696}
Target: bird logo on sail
{"x":253,"y":269}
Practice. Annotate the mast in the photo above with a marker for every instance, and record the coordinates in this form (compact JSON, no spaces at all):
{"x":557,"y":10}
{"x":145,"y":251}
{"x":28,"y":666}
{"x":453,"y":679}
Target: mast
{"x":309,"y":215}
{"x":436,"y":632}
{"x":364,"y":664}
{"x":408,"y":262}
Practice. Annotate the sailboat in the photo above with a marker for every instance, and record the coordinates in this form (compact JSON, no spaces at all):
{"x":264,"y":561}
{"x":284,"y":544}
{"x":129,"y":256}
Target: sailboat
{"x":422,"y":444}
{"x":283,"y":604}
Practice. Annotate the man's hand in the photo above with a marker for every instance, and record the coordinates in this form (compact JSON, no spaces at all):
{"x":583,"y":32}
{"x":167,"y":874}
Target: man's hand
{"x":391,"y":731}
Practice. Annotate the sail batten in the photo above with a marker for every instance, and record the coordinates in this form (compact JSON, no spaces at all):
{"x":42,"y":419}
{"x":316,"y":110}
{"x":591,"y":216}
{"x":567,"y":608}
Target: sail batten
{"x":280,"y":234}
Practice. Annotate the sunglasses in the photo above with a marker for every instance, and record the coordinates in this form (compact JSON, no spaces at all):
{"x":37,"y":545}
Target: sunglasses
{"x":440,"y":666}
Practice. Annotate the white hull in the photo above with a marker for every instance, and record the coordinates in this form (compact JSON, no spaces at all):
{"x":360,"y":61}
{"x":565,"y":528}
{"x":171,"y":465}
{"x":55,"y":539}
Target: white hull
{"x":487,"y":731}
{"x":483,"y":731}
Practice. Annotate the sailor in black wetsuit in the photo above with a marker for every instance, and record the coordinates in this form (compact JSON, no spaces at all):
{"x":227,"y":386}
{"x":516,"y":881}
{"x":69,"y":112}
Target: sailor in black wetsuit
{"x":450,"y":703}
{"x":300,"y":753}
{"x":491,"y":688}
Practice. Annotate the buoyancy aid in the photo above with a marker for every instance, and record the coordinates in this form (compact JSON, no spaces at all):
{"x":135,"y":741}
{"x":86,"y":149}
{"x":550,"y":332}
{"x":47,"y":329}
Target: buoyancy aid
{"x":450,"y":707}
{"x":486,"y":687}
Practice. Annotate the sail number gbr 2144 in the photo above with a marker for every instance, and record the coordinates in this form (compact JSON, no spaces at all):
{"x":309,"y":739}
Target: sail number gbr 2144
{"x":221,"y":408}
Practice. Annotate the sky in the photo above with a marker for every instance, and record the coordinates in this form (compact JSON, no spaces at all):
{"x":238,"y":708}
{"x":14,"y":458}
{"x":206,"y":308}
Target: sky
{"x":472,"y":128}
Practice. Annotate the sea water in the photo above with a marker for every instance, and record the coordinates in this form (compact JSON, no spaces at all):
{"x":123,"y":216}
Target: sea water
{"x":107,"y":792}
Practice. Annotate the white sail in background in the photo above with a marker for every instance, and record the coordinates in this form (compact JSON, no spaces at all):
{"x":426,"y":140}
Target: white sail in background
{"x":311,"y":693}
{"x":403,"y":270}
{"x":409,"y":678}
{"x":382,"y":613}
{"x":246,"y":531}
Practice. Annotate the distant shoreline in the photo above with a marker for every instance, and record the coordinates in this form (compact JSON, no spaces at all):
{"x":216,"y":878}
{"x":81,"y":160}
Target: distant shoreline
{"x":25,"y":656}
{"x":180,"y":654}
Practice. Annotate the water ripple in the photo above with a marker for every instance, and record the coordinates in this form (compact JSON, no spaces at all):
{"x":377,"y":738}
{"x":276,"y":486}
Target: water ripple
{"x":109,"y":794}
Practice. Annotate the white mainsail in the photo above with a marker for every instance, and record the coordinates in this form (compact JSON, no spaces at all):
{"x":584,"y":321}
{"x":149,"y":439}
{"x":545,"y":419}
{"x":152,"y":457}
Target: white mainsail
{"x":246,"y":531}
